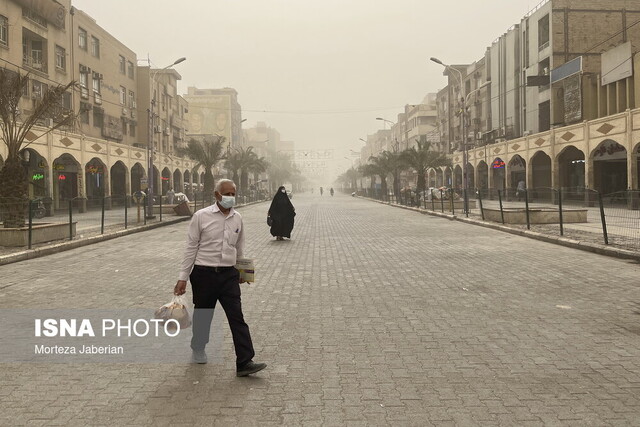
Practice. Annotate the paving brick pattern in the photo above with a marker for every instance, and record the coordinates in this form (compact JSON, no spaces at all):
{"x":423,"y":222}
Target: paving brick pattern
{"x":370,"y":315}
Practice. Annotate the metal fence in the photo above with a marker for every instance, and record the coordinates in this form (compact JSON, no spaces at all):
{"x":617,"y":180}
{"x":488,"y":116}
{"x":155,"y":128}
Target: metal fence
{"x":577,"y":213}
{"x":95,"y":216}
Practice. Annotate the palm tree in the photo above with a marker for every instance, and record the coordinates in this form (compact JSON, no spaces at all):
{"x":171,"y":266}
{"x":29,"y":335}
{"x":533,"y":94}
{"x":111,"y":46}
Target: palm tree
{"x":257,"y":166}
{"x":421,"y":158}
{"x":207,"y":153}
{"x":233,"y":164}
{"x":280,"y":170}
{"x":392,"y":162}
{"x":383,"y":165}
{"x":15,"y":129}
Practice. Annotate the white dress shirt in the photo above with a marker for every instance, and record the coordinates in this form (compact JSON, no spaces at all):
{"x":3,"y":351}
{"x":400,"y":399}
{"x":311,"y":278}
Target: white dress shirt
{"x":214,"y":240}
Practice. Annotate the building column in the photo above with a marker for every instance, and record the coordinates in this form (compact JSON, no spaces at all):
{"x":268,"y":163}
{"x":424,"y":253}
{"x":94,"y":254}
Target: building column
{"x":632,"y":169}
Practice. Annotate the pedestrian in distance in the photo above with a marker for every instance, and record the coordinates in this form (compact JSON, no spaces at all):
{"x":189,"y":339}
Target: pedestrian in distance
{"x":321,"y":191}
{"x":521,"y":189}
{"x":170,"y":195}
{"x":215,"y":240}
{"x":281,"y":214}
{"x":331,"y":191}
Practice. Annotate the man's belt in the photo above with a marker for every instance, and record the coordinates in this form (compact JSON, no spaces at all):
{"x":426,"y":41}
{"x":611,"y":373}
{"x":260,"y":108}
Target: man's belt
{"x":214,"y":269}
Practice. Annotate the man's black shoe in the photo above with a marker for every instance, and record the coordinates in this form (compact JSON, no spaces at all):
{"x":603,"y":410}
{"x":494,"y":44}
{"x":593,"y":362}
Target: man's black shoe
{"x":250,"y":368}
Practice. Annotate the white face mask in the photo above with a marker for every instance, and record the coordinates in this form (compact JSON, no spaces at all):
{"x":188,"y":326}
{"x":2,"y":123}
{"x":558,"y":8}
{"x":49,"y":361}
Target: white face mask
{"x":228,"y":202}
{"x":283,"y":190}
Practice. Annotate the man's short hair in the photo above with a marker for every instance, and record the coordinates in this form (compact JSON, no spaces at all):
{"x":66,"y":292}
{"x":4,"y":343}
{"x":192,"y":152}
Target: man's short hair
{"x":223,"y":181}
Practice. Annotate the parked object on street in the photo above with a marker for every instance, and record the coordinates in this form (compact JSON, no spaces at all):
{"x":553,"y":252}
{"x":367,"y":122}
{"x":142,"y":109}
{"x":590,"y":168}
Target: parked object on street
{"x":182,"y":209}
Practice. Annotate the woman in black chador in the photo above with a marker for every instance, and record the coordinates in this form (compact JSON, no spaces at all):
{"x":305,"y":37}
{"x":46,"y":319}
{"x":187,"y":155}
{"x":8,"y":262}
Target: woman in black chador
{"x":281,"y":213}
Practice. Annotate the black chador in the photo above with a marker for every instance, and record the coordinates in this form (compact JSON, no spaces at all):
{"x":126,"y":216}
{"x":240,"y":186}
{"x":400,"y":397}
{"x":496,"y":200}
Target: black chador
{"x":281,"y":213}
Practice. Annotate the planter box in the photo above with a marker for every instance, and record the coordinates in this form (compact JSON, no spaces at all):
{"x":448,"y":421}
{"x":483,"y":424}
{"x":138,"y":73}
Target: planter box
{"x":40,"y":233}
{"x":536,"y":215}
{"x":458,"y":205}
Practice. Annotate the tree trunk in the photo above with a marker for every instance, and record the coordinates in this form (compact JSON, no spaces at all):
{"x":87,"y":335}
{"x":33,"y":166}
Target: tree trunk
{"x":13,"y":193}
{"x":244,"y":179}
{"x":209,"y":185}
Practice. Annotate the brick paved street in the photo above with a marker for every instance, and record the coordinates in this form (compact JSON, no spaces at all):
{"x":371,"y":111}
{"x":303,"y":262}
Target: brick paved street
{"x":369,"y":315}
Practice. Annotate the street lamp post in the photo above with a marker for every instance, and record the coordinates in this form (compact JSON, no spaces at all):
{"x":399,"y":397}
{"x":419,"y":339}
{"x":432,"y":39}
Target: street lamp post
{"x":150,"y":147}
{"x":465,"y":175}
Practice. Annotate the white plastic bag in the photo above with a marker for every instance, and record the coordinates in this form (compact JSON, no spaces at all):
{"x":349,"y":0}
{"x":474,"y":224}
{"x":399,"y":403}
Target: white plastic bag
{"x":176,"y":310}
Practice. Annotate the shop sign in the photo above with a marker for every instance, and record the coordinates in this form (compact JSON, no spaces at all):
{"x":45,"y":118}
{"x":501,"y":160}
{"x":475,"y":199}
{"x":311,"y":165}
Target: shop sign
{"x":37,"y":177}
{"x":498,"y":164}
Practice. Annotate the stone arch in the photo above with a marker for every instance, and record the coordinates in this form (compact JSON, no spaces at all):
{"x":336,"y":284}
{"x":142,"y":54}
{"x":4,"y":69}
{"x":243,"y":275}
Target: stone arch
{"x":431,"y":178}
{"x":483,"y":175}
{"x":516,"y":171}
{"x":571,"y":168}
{"x":540,"y":174}
{"x":137,"y":173}
{"x":119,"y":182}
{"x":37,"y":173}
{"x":498,"y":173}
{"x":471,"y":178}
{"x":609,"y":161}
{"x":187,"y":187}
{"x":68,"y":180}
{"x":96,"y":181}
{"x":166,"y":182}
{"x":448,"y":177}
{"x":457,"y":177}
{"x":177,"y":181}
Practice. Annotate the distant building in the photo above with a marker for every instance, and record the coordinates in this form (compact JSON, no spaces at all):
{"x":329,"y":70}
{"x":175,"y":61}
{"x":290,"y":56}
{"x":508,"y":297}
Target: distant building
{"x":215,"y":112}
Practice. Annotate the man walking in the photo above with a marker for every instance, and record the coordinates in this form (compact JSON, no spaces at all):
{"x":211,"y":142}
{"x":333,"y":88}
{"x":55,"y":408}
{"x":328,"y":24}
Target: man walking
{"x":215,"y":239}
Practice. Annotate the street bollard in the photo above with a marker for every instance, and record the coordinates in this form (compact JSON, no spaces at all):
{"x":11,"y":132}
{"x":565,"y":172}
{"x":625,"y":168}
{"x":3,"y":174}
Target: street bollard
{"x":480,"y":202}
{"x":70,"y":219}
{"x":603,"y":219}
{"x":466,"y":202}
{"x":102,"y":217}
{"x":560,"y":214}
{"x":453,"y":210}
{"x":30,"y":222}
{"x":526,"y":207}
{"x":501,"y":210}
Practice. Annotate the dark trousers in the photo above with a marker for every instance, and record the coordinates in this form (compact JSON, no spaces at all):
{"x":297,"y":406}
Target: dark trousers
{"x":208,"y":288}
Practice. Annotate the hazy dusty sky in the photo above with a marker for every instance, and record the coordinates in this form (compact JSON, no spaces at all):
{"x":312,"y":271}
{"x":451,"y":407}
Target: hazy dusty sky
{"x":319,"y":71}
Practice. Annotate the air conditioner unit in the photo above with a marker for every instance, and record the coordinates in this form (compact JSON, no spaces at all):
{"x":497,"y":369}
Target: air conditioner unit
{"x":166,"y":131}
{"x":84,"y":69}
{"x":479,"y":135}
{"x":526,"y":133}
{"x":125,"y":112}
{"x":97,"y":76}
{"x":545,"y":71}
{"x":133,"y":114}
{"x":156,"y":129}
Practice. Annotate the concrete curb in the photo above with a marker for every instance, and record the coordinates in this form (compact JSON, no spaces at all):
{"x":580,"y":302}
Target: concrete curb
{"x":73,"y":244}
{"x":558,"y":240}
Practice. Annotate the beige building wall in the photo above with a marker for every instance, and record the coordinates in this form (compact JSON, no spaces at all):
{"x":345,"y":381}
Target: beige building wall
{"x":106,"y":70}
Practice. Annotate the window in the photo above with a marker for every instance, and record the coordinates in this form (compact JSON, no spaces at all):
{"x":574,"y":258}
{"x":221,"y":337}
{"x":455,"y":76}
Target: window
{"x":84,"y":82}
{"x":123,"y":95}
{"x":4,"y":31}
{"x":98,"y":117}
{"x":130,"y":69}
{"x":96,"y":85}
{"x":95,"y":47}
{"x":84,"y":112}
{"x":82,"y":38}
{"x":61,"y":58}
{"x":124,"y":126}
{"x":132,"y":129}
{"x":543,"y":32}
{"x":122,"y":64}
{"x":132,"y":99}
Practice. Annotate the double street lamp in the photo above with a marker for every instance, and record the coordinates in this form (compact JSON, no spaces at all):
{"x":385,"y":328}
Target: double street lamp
{"x":150,"y":148}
